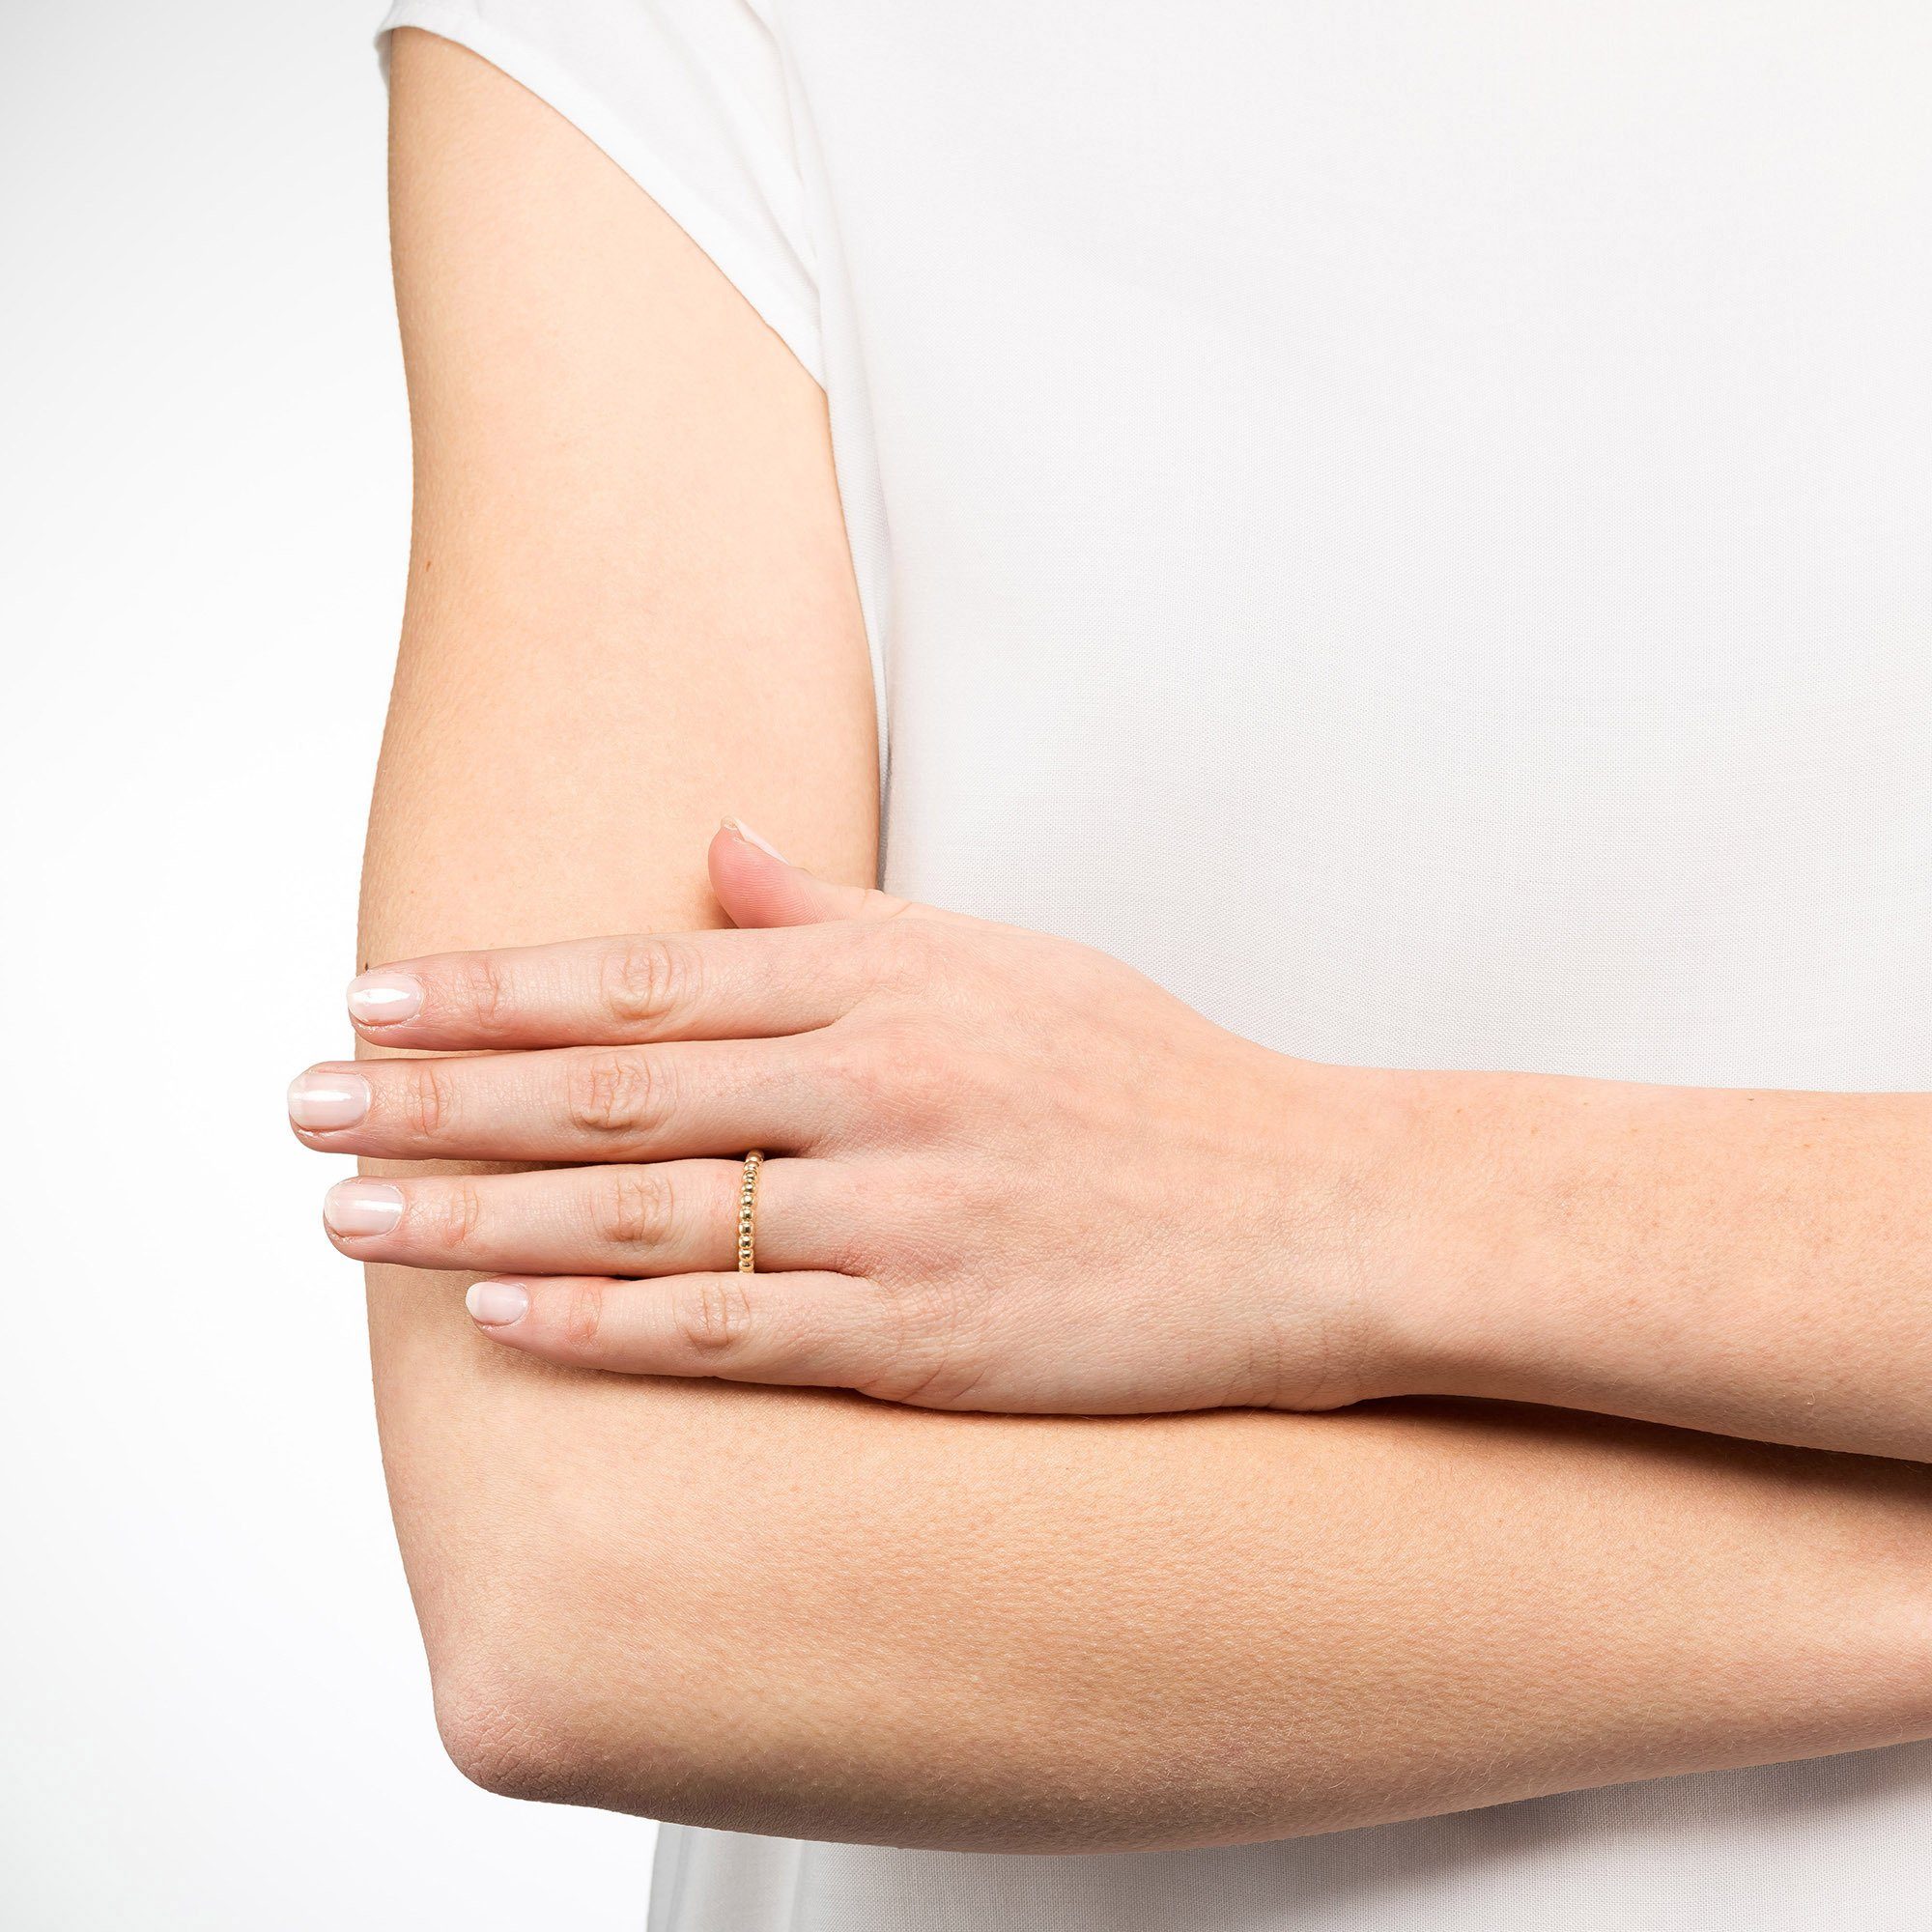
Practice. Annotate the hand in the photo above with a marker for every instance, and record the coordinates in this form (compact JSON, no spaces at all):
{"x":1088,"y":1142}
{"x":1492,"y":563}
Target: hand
{"x":1005,"y":1172}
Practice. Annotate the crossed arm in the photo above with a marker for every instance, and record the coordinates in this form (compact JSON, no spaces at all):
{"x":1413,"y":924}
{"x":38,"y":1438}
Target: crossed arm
{"x":802,"y":1611}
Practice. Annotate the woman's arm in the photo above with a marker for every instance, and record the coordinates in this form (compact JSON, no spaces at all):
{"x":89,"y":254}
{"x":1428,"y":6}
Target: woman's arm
{"x":1025,"y":1178}
{"x":630,"y":609}
{"x":1754,"y":1263}
{"x":1032,"y":1182}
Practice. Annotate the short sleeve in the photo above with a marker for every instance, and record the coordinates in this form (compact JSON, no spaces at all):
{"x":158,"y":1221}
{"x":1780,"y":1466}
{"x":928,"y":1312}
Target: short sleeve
{"x":687,"y":97}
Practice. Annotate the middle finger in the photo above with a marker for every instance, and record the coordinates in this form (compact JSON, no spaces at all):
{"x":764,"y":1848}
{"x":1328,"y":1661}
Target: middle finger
{"x":572,"y":1104}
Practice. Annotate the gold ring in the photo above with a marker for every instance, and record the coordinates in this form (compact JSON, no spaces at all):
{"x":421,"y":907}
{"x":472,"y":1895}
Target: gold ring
{"x":748,"y":1210}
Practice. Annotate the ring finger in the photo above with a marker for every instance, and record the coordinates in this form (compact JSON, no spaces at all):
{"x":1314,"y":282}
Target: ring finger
{"x":670,"y":1217}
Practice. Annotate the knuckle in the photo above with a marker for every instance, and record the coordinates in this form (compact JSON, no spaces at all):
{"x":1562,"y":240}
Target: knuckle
{"x":636,"y":1210}
{"x":927,"y":1087}
{"x":484,"y":990}
{"x":647,"y":980}
{"x":620,"y":1092}
{"x":713,"y":1313}
{"x":857,"y":1071}
{"x":427,"y":1097}
{"x":457,"y":1218}
{"x":897,"y":1078}
{"x":582,"y":1313}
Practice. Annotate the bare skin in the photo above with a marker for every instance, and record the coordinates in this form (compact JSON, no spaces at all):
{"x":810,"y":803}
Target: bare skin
{"x":631,"y":613}
{"x":1023,"y":1178}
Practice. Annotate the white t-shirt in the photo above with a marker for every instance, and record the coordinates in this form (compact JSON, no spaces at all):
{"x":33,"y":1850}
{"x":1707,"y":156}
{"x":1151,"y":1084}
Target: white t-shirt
{"x":1411,"y":522}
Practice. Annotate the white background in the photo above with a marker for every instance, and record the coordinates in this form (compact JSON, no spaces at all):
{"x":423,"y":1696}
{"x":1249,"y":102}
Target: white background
{"x":213,"y":1711}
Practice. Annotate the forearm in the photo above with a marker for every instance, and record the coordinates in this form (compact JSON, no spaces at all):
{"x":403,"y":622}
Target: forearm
{"x":631,"y":611}
{"x":816,"y":1615}
{"x":1753,"y":1263}
{"x":827,"y":1616}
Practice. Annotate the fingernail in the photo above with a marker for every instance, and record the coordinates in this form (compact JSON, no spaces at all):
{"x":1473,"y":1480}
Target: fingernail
{"x":382,"y":999}
{"x":317,"y":1101}
{"x":361,"y":1208}
{"x":496,"y":1304}
{"x":751,"y":838}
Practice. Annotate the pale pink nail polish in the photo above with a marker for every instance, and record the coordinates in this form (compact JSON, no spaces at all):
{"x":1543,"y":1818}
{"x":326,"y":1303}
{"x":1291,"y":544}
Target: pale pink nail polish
{"x":497,"y":1304}
{"x":382,"y":999}
{"x":320,"y":1100}
{"x":751,"y":838}
{"x":362,"y":1208}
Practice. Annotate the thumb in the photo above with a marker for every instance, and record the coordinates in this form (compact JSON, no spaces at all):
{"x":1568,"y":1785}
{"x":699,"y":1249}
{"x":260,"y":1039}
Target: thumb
{"x":758,"y":886}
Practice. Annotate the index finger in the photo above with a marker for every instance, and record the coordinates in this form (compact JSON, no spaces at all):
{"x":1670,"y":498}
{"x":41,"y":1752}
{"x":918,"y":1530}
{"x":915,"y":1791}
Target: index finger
{"x":730,"y":984}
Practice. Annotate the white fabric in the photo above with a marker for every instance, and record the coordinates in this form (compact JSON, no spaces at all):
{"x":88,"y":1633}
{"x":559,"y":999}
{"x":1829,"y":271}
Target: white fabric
{"x":1409,"y":522}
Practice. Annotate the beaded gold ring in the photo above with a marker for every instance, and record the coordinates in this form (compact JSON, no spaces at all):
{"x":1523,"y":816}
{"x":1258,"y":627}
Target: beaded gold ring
{"x":748,"y":1210}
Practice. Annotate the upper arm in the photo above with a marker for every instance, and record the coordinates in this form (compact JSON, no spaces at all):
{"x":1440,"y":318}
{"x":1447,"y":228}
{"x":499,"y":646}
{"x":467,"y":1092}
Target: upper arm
{"x":631,"y":610}
{"x":631,"y":607}
{"x":631,"y":603}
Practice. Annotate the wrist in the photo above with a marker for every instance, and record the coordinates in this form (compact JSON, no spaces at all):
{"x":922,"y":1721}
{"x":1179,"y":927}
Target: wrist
{"x":1367,"y":1284}
{"x":1517,"y":1240}
{"x":1443,"y":1247}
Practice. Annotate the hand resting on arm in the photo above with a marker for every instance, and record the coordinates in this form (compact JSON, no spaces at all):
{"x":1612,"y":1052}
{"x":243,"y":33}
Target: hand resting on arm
{"x":630,"y":613}
{"x":1023,"y":1178}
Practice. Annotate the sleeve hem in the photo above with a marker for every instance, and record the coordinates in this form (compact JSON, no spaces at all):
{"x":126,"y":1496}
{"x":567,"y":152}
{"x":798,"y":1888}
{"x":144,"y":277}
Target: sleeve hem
{"x":719,"y":237}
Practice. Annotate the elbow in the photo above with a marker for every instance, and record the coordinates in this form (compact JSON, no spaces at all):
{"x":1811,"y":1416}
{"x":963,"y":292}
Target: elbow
{"x":566,"y":1720}
{"x":734,"y":1755}
{"x":532,"y":1705}
{"x":519,"y":1715}
{"x":507,"y":1732}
